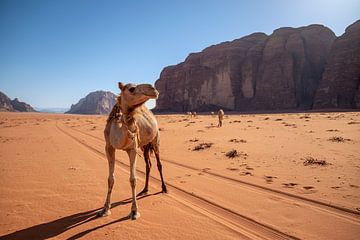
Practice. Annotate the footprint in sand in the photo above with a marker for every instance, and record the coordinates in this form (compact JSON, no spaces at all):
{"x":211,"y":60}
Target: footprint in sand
{"x":269,"y":179}
{"x":246,"y":173}
{"x":290,"y":185}
{"x":232,"y":169}
{"x":308,"y":189}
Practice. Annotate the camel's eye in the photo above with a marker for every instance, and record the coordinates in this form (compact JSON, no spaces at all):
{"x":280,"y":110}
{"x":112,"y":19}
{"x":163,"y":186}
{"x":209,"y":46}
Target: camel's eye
{"x":132,"y":89}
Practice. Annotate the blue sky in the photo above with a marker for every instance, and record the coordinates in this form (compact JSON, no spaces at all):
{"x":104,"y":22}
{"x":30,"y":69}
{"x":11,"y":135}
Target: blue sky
{"x":52,"y":53}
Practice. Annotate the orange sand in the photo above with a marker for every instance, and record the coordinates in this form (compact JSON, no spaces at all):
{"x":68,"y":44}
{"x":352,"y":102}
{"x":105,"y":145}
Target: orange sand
{"x":53,"y":177}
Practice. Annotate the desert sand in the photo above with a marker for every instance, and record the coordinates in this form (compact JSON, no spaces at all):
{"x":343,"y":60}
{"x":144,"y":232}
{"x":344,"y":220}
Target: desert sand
{"x":286,"y":176}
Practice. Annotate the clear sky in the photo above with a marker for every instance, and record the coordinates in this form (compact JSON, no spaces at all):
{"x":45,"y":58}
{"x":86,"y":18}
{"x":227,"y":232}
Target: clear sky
{"x":52,"y":52}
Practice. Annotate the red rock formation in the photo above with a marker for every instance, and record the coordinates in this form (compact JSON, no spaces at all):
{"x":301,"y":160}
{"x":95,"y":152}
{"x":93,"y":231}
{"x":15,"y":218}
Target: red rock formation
{"x":8,"y":105}
{"x":98,"y":102}
{"x":340,"y":85}
{"x":256,"y":72}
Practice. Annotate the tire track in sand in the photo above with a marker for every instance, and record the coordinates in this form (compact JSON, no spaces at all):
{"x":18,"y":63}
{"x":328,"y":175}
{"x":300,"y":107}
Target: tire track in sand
{"x":339,"y":211}
{"x":243,"y":225}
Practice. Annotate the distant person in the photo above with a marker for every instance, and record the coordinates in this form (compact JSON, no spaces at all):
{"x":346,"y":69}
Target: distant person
{"x":221,"y":117}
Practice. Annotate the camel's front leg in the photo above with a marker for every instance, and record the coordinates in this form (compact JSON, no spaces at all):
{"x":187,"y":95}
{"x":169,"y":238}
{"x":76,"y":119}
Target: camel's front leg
{"x":134,"y":214}
{"x":110,"y":154}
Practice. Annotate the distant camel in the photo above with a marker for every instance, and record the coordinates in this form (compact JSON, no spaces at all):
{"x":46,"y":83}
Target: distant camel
{"x":130,"y":126}
{"x":221,"y":117}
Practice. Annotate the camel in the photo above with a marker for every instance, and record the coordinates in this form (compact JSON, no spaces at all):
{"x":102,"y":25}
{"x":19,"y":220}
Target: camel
{"x":131,"y":125}
{"x":221,"y":117}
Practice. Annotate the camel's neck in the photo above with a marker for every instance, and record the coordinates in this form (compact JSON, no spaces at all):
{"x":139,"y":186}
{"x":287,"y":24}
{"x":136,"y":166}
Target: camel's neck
{"x":129,"y":113}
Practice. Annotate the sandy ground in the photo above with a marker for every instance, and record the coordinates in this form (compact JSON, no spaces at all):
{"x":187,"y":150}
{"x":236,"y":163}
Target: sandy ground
{"x":53,"y":175}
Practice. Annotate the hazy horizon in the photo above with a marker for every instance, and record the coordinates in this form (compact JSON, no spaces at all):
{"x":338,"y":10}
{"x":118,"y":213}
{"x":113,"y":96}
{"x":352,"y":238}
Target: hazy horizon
{"x":53,"y":53}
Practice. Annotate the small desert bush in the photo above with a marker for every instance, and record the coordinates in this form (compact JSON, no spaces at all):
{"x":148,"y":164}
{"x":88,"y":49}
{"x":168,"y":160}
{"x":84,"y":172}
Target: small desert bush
{"x":202,"y":146}
{"x":231,"y":154}
{"x":313,"y":161}
{"x":338,"y":139}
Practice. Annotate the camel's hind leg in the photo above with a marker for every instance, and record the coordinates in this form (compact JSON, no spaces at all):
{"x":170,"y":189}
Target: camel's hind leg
{"x":157,"y":155}
{"x":148,"y":167}
{"x":110,"y":154}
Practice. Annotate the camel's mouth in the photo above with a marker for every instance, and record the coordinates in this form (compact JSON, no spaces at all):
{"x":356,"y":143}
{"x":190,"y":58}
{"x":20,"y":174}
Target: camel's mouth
{"x":154,"y":94}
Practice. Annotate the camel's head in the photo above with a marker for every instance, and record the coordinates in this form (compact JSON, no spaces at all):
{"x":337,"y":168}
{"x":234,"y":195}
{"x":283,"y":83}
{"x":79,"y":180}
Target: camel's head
{"x":133,"y":95}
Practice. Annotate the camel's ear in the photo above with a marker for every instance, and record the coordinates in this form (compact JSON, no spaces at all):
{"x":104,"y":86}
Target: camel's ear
{"x":121,"y":86}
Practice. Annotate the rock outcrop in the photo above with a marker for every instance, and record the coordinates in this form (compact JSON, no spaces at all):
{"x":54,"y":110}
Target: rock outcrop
{"x":340,"y":85}
{"x":22,"y":106}
{"x":8,"y":105}
{"x":5,"y":103}
{"x":99,"y":102}
{"x":257,"y":72}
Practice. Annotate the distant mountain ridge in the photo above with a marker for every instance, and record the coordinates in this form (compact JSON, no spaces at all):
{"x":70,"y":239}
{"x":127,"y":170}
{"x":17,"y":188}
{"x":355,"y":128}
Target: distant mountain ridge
{"x":98,"y":102}
{"x":52,"y":109}
{"x":8,"y":105}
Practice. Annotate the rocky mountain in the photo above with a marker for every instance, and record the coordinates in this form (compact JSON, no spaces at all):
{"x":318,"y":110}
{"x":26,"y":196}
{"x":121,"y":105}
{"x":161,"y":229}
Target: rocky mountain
{"x":5,"y":103}
{"x":99,"y":102}
{"x":283,"y":71}
{"x":340,"y":84}
{"x":8,"y":105}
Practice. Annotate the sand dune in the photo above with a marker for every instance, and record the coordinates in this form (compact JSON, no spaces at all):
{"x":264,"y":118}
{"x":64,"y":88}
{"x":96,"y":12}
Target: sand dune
{"x":260,"y":176}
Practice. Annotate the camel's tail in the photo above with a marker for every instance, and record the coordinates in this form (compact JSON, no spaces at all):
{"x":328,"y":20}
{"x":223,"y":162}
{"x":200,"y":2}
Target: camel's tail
{"x":150,"y":147}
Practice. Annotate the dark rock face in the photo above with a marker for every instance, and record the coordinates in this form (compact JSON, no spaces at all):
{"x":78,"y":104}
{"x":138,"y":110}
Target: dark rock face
{"x":99,"y":102}
{"x":8,"y":105}
{"x":340,"y":85}
{"x":21,"y":106}
{"x":5,"y":103}
{"x":256,"y":72}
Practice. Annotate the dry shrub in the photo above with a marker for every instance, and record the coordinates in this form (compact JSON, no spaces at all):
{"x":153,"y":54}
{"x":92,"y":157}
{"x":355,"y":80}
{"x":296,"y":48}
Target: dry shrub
{"x":332,"y":130}
{"x":232,"y":154}
{"x":237,"y":140}
{"x":338,"y":139}
{"x":313,"y":161}
{"x":202,"y":146}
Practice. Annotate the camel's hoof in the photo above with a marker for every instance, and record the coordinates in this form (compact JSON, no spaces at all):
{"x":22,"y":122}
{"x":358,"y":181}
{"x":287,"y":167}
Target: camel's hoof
{"x":143,"y":192}
{"x":134,"y":215}
{"x":104,"y":212}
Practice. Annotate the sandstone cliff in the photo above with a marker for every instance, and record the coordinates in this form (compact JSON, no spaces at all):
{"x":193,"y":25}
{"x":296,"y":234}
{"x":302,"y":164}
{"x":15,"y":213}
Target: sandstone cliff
{"x":99,"y":102}
{"x":257,"y":72}
{"x":340,"y":85}
{"x":6,"y":104}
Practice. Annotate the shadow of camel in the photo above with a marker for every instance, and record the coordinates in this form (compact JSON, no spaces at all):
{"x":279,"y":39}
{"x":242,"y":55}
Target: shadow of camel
{"x":61,"y":225}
